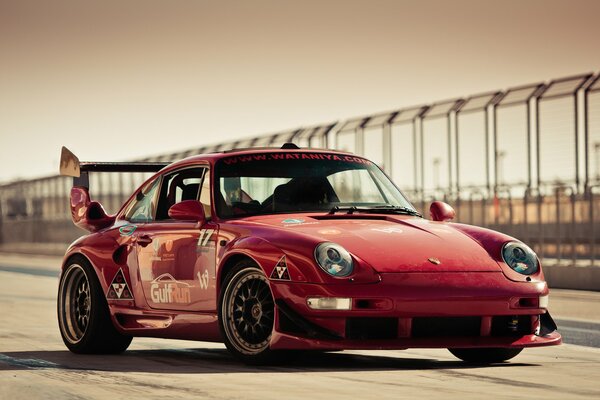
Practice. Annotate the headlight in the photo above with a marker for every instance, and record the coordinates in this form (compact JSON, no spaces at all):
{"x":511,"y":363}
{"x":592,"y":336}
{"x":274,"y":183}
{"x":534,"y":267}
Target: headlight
{"x":334,"y":259}
{"x":520,"y":258}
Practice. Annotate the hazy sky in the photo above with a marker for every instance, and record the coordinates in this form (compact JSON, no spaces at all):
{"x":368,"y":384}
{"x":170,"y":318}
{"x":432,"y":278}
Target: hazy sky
{"x":123,"y":79}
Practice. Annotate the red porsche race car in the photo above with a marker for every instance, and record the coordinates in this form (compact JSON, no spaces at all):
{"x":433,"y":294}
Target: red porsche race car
{"x":291,"y":249}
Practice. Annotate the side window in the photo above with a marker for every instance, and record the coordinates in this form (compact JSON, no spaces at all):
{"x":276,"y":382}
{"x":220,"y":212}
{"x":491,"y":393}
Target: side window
{"x":144,"y":207}
{"x":178,"y":186}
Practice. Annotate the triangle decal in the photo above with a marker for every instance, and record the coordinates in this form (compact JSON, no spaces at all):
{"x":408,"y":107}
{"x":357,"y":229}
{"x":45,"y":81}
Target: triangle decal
{"x":281,"y":270}
{"x":119,"y":290}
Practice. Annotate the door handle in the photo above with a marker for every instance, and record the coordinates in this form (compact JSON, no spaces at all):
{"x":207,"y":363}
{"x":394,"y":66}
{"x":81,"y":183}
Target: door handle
{"x":144,"y":240}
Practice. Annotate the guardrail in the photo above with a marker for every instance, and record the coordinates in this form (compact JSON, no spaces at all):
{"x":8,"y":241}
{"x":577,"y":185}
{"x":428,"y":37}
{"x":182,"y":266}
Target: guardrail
{"x":525,"y":161}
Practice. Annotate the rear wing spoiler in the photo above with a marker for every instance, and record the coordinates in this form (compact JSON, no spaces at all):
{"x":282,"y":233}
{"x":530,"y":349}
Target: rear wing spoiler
{"x":79,"y":170}
{"x":85,"y":213}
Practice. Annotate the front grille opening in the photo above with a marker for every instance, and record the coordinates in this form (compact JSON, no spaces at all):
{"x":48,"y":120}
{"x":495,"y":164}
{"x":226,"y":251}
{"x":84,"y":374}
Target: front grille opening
{"x":511,"y":325}
{"x":426,"y":327}
{"x":529,"y":302}
{"x":371,"y":328}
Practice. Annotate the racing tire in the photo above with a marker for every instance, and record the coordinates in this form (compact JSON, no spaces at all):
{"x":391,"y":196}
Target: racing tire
{"x":485,"y":355}
{"x":83,"y":316}
{"x":247,"y":314}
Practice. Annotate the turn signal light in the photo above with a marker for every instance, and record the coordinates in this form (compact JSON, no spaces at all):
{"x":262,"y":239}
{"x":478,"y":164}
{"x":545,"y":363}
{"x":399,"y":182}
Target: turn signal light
{"x":329,"y":303}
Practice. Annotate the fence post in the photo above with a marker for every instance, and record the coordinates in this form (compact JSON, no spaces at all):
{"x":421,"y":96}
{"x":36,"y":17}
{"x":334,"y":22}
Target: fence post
{"x":558,"y":230}
{"x":471,"y":217}
{"x":592,"y":229}
{"x":484,"y":208}
{"x":525,"y":213}
{"x":359,"y":140}
{"x":387,"y":148}
{"x":541,"y":233}
{"x":573,"y":226}
{"x":1,"y":225}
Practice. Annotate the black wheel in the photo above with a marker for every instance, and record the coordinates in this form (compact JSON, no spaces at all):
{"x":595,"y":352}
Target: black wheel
{"x":83,"y":316}
{"x":246,"y":314}
{"x":485,"y":355}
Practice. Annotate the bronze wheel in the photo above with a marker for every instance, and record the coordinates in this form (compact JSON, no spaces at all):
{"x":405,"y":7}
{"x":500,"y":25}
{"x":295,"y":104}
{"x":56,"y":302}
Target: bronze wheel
{"x":247,"y":314}
{"x":74,"y":306}
{"x":83,"y":314}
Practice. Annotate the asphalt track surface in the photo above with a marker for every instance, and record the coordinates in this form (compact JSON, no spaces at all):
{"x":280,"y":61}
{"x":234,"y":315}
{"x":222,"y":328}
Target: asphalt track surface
{"x":34,"y":363}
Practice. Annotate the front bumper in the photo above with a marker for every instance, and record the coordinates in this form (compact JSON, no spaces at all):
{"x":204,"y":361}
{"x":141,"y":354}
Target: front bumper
{"x":410,"y":310}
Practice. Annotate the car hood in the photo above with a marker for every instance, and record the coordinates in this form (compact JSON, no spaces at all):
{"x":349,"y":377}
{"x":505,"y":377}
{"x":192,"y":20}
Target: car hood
{"x":393,"y":243}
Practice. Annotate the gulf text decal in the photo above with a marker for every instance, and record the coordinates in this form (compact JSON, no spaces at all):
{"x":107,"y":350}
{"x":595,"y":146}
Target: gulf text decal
{"x":166,"y":289}
{"x":294,"y":156}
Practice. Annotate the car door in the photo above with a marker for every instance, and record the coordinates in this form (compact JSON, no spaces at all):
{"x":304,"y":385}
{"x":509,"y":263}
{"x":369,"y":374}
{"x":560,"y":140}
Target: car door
{"x":177,"y":259}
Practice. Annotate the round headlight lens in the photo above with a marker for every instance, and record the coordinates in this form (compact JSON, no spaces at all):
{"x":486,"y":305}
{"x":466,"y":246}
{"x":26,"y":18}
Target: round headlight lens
{"x":334,"y":259}
{"x":520,"y":258}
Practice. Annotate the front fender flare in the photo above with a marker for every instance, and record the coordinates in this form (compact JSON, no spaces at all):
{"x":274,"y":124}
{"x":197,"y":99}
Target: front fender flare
{"x":265,"y":254}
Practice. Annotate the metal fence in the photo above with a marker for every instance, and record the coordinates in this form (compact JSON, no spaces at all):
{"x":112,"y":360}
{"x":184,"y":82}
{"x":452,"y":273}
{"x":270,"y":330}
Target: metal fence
{"x":525,"y":161}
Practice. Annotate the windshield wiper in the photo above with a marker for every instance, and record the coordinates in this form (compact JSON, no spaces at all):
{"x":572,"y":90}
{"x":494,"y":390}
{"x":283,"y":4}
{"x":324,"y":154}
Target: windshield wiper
{"x":392,"y":208}
{"x":383,"y":209}
{"x":350,"y":210}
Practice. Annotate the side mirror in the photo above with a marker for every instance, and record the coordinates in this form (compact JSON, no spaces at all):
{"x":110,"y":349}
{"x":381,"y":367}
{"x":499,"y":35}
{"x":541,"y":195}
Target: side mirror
{"x":440,"y":211}
{"x":187,"y":210}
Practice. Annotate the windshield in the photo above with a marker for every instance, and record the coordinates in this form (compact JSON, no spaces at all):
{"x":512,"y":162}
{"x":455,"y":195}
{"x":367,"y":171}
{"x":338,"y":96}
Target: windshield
{"x":273,"y":183}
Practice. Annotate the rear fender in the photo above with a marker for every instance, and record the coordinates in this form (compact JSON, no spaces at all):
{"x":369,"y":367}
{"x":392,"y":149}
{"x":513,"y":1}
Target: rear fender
{"x":105,"y":256}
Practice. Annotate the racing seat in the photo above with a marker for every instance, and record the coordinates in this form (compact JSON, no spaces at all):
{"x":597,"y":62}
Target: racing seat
{"x":190,"y":192}
{"x":303,"y":194}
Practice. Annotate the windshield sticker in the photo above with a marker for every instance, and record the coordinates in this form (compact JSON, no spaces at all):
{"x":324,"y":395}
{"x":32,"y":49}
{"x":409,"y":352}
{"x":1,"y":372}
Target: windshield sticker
{"x":292,"y":221}
{"x":118,"y":289}
{"x":295,"y":156}
{"x":127,"y":230}
{"x":166,"y":289}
